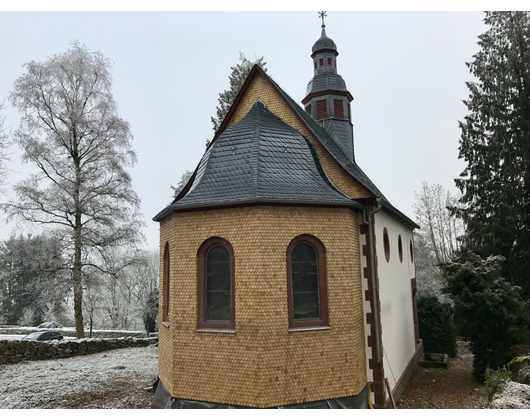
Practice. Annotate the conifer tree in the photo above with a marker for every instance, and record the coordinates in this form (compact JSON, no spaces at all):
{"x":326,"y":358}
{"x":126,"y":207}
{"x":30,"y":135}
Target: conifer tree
{"x":238,"y":76}
{"x":495,"y":143}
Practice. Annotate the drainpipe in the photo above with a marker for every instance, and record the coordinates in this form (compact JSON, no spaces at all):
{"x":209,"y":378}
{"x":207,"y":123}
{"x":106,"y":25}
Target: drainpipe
{"x":369,"y":222}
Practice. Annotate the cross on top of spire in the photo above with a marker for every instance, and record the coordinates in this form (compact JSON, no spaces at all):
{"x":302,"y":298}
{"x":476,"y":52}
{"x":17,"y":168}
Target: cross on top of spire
{"x":322,"y":15}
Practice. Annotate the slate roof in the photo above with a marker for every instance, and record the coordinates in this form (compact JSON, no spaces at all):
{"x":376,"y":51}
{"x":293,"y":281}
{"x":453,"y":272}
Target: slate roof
{"x":324,"y":43}
{"x":326,"y":81}
{"x":236,"y":188}
{"x":347,"y":163}
{"x":261,"y":158}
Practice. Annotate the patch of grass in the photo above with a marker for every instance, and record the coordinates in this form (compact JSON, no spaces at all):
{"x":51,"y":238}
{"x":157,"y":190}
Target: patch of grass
{"x":496,"y":380}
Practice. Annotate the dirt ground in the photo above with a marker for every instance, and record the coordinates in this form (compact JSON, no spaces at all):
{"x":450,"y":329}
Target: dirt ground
{"x":452,"y":388}
{"x":117,"y":379}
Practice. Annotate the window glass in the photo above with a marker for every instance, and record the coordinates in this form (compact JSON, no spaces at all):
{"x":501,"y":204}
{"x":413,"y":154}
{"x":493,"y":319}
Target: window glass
{"x":386,"y":244}
{"x":400,"y":249}
{"x":304,"y":271}
{"x":218,"y":276}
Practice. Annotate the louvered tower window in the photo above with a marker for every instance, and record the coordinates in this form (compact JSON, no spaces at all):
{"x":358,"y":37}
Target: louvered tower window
{"x":322,"y":111}
{"x":308,"y":109}
{"x":339,"y":109}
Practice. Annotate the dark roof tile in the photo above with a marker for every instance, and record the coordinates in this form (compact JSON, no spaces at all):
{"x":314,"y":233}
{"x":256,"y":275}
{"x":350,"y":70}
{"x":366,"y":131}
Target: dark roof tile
{"x":260,"y":157}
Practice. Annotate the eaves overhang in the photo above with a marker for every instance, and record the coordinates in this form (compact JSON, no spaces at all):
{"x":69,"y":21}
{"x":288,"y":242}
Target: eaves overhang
{"x":213,"y":205}
{"x":389,"y":209}
{"x":328,"y":92}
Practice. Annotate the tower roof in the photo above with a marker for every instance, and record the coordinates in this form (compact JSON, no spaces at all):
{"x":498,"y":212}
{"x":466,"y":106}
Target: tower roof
{"x":324,"y":43}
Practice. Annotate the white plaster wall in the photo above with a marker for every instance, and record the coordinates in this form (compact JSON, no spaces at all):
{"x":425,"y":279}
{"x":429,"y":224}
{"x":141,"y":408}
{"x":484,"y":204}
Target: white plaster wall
{"x":395,"y":295}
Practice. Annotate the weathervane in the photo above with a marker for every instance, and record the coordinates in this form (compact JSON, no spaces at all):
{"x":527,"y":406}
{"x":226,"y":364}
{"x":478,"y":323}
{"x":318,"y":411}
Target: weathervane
{"x":322,"y":15}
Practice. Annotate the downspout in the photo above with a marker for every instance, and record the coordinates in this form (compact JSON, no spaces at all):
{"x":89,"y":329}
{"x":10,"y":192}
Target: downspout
{"x":368,"y":220}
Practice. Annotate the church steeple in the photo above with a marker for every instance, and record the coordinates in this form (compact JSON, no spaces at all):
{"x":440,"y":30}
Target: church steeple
{"x":327,"y":99}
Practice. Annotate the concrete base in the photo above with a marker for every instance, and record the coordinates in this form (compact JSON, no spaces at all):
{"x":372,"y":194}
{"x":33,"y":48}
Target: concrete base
{"x":163,"y":399}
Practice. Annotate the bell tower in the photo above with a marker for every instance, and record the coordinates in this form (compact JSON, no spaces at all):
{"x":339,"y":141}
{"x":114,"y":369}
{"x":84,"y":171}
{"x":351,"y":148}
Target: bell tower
{"x":327,"y":99}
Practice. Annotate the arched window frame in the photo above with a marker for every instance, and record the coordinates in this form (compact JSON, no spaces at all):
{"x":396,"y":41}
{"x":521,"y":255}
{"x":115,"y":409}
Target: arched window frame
{"x":166,"y":285}
{"x":201,"y":286}
{"x":322,"y":283}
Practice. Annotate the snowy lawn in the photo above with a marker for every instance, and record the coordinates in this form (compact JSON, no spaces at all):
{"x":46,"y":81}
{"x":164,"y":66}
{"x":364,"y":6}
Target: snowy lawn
{"x":112,"y":379}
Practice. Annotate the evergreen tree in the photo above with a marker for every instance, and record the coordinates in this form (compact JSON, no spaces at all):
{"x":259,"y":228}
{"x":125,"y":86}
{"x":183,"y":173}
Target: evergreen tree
{"x":495,"y":143}
{"x":182,"y":183}
{"x":489,"y":311}
{"x":239,"y":74}
{"x":436,"y":326}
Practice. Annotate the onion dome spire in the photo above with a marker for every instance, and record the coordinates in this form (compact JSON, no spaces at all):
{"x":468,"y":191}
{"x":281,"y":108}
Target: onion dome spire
{"x":327,"y":98}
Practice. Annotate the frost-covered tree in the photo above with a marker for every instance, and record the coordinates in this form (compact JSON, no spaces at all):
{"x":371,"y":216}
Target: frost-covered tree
{"x":33,"y":284}
{"x":4,"y":149}
{"x":72,"y":132}
{"x":238,"y":76}
{"x":182,"y":183}
{"x":118,"y":292}
{"x":438,"y":240}
{"x":495,"y":144}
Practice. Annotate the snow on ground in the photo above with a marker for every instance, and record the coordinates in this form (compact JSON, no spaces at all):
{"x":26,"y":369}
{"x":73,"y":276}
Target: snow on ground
{"x":512,"y":395}
{"x":112,"y":379}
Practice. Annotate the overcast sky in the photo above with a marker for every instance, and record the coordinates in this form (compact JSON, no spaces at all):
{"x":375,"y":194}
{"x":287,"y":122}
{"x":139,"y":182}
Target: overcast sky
{"x":405,"y":70}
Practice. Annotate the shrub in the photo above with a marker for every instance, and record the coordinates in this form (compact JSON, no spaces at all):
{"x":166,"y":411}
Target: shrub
{"x":495,"y":380}
{"x":435,"y":322}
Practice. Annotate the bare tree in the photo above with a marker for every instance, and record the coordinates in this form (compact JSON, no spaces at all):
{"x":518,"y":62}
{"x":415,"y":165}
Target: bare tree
{"x":439,"y":227}
{"x":438,"y":240}
{"x":71,"y":130}
{"x":4,"y":149}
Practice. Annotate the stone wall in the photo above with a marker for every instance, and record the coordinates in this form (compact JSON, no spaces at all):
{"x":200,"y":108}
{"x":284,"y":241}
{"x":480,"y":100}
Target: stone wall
{"x":71,"y":333}
{"x":16,"y":351}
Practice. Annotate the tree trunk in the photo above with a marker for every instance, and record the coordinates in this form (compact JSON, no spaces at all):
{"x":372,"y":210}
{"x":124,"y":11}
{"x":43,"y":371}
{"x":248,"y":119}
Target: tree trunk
{"x":77,"y":271}
{"x":78,"y":288}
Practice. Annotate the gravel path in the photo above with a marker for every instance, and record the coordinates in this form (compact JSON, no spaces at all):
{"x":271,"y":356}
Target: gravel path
{"x":112,"y":379}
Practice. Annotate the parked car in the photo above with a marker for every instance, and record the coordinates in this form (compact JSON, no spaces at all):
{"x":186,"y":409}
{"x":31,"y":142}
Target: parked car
{"x":44,"y":336}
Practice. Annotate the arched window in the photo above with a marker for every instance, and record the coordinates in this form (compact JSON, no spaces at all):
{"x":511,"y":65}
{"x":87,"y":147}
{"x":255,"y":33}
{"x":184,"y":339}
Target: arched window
{"x":306,"y":282}
{"x":165,"y":307}
{"x":386,"y":244}
{"x":400,"y":249}
{"x":215,"y":259}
